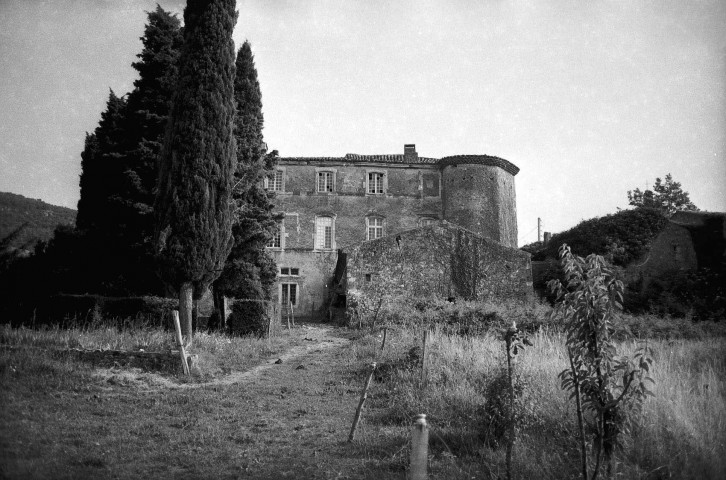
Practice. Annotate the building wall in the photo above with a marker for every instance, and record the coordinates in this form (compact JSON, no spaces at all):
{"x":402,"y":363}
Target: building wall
{"x":672,"y":252}
{"x":315,"y":273}
{"x":407,"y":200}
{"x":440,"y":261}
{"x":480,"y":197}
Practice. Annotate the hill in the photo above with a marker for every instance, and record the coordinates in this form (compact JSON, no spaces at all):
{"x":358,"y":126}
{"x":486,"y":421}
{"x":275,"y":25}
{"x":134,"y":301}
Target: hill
{"x":41,"y":219}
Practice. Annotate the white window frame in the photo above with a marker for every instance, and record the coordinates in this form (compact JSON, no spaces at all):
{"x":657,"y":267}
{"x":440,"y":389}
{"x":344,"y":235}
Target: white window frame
{"x":275,"y":182}
{"x":279,"y":236}
{"x":382,"y":175}
{"x":320,"y":233}
{"x":289,"y":271}
{"x":375,"y":223}
{"x":328,"y":185}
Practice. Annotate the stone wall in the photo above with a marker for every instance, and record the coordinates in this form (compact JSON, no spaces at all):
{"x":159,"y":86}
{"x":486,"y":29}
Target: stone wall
{"x":440,"y":261}
{"x":481,"y":199}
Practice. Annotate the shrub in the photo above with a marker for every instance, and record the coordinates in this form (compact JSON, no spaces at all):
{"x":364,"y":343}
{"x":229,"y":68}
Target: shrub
{"x":248,"y":317}
{"x":607,"y":389}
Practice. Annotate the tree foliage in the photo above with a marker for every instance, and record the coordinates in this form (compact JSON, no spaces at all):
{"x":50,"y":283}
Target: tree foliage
{"x":192,"y":207}
{"x":621,"y":237}
{"x":119,"y":168}
{"x":249,"y":271}
{"x":607,"y":389}
{"x":667,"y":197}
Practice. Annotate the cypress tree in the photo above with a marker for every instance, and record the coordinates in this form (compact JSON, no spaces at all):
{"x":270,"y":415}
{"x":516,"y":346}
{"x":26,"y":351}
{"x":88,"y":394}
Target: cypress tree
{"x":148,"y":113}
{"x":120,"y":168}
{"x":99,"y":160}
{"x":192,"y":207}
{"x":249,"y":271}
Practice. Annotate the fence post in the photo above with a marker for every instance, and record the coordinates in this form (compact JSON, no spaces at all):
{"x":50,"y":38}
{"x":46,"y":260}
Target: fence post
{"x":363,"y":396}
{"x":180,"y":342}
{"x":424,"y":355}
{"x":419,"y":448}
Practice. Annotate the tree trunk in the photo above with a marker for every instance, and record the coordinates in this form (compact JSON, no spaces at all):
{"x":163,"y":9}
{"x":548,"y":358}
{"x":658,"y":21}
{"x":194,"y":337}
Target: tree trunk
{"x":185,"y":310}
{"x":195,"y":315}
{"x":220,"y":307}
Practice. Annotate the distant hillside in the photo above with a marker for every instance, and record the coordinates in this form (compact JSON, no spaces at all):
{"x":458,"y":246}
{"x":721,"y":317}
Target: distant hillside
{"x":41,"y":218}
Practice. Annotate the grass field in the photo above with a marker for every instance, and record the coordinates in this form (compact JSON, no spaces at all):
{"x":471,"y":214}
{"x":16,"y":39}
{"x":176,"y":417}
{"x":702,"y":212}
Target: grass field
{"x":62,"y":418}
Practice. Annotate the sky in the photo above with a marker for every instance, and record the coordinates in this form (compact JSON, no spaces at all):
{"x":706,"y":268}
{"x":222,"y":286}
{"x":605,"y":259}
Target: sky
{"x":589,"y":99}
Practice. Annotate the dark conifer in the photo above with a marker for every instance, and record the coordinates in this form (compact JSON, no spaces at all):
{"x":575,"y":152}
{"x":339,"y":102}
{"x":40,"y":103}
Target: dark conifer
{"x":99,"y":161}
{"x":192,"y":208}
{"x":249,"y":271}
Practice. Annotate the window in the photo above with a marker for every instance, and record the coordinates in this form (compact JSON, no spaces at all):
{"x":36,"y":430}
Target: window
{"x":276,"y":240}
{"x":285,"y":271}
{"x":375,"y":182}
{"x":427,"y":221}
{"x":375,"y":228}
{"x":273,"y":181}
{"x":323,"y":233}
{"x":289,"y":294}
{"x":325,"y":181}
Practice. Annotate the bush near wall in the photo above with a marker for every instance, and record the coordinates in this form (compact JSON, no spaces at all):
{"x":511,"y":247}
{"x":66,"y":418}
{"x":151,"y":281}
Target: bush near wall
{"x":82,"y":310}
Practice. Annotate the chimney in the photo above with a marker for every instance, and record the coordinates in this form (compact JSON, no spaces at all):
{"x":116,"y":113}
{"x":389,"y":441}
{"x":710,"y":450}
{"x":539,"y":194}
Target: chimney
{"x":409,"y":153}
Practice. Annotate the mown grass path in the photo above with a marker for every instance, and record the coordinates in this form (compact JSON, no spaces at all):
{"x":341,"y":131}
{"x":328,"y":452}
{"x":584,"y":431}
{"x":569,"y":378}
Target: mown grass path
{"x":277,"y":420}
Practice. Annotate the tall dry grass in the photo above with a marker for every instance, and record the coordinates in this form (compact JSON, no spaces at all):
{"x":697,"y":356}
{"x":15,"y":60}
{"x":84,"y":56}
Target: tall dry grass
{"x":217,"y":351}
{"x":680,"y":433}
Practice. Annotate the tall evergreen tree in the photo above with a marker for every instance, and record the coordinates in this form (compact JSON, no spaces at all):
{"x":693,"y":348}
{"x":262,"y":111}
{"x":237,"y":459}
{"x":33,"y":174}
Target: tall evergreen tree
{"x":192,"y":207}
{"x":99,"y":161}
{"x":249,"y":271}
{"x":148,"y":113}
{"x":120,"y":165}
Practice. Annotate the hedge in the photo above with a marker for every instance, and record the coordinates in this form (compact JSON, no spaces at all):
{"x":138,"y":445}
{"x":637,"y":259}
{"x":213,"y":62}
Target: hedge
{"x":82,"y":310}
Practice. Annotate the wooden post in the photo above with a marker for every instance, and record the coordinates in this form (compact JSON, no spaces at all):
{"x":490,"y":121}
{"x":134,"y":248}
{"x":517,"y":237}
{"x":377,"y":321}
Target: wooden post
{"x":180,"y":342}
{"x":419,"y":449}
{"x":383,"y":343}
{"x":424,"y":355}
{"x":363,"y":396}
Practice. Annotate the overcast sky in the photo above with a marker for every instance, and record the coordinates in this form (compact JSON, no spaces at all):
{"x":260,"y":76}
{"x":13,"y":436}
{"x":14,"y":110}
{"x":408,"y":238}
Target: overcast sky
{"x":589,"y":99}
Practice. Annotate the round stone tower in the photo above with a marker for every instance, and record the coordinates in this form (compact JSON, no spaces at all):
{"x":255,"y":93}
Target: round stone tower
{"x":478,"y":194}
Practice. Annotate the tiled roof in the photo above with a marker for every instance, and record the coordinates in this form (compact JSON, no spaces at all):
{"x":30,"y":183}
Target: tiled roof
{"x":399,"y":158}
{"x":480,"y":160}
{"x":313,"y":159}
{"x":392,"y":158}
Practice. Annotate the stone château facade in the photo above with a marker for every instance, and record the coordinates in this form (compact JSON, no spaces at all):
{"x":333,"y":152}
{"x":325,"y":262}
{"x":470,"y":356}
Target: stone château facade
{"x":335,"y":203}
